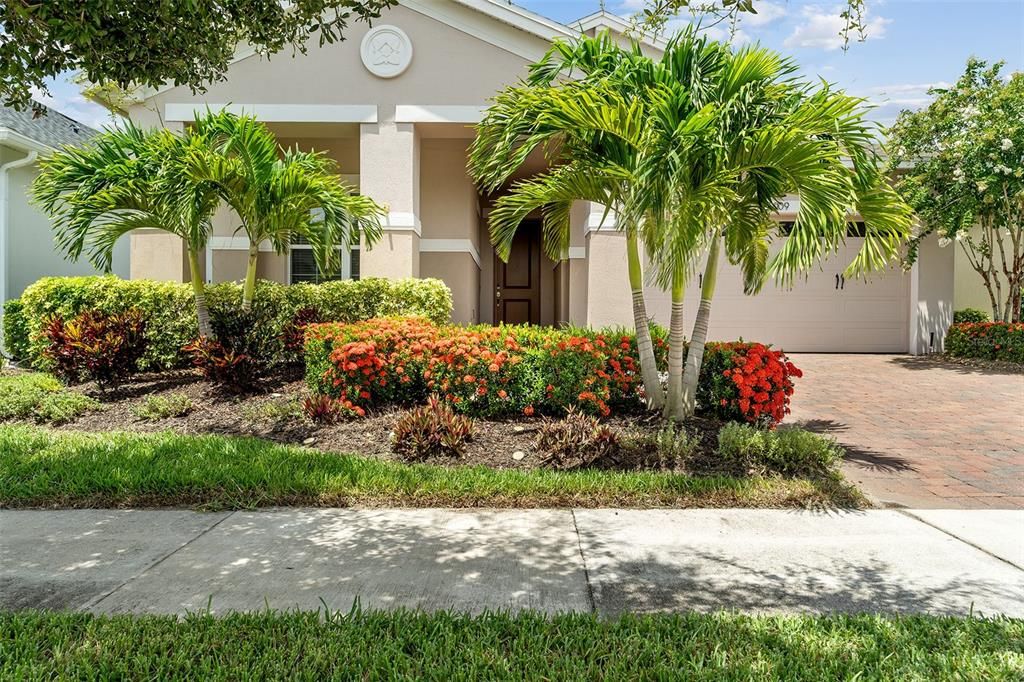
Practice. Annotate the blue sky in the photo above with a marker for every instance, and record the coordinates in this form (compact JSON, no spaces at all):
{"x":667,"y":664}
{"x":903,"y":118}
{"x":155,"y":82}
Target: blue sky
{"x":911,"y":44}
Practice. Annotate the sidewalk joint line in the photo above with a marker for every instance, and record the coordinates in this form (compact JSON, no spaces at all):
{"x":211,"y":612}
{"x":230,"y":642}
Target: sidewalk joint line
{"x":583,"y":558}
{"x":95,"y":601}
{"x":909,"y":514}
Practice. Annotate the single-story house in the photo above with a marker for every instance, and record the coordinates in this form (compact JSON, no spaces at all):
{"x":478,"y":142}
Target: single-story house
{"x":395,"y":103}
{"x":26,"y":241}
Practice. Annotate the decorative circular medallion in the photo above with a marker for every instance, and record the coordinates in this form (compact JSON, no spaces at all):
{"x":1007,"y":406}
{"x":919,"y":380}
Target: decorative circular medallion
{"x":386,"y":51}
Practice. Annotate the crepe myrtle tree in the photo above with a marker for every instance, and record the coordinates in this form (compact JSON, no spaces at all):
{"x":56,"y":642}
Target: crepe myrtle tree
{"x":960,"y":164}
{"x":146,"y":43}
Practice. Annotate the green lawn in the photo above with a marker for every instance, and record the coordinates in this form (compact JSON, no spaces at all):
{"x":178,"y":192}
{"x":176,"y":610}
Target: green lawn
{"x":444,"y":646}
{"x":43,"y":467}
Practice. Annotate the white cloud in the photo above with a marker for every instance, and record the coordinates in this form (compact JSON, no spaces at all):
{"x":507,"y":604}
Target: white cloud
{"x":767,"y":13}
{"x":890,"y":100}
{"x":64,"y":96}
{"x":821,"y":29}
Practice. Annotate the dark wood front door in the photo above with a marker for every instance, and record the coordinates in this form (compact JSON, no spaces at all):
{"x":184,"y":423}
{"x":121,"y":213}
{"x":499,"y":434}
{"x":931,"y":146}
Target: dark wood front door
{"x":517,"y":283}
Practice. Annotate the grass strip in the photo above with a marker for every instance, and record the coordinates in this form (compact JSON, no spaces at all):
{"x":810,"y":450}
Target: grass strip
{"x":499,"y":646}
{"x":41,"y":467}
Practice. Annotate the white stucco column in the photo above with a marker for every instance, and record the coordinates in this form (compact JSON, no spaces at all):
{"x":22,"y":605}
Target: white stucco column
{"x":389,"y":173}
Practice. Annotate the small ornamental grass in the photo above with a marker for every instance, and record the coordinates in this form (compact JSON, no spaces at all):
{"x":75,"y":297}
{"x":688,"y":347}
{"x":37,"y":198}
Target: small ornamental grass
{"x":40,"y":397}
{"x":987,"y":340}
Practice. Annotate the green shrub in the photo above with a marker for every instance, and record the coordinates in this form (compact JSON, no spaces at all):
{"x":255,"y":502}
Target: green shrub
{"x":164,"y":407}
{"x":789,"y":451}
{"x":169,"y":312}
{"x":40,"y":397}
{"x":432,"y":430}
{"x":987,"y":340}
{"x":969,"y":315}
{"x":671,"y":446}
{"x":15,"y":329}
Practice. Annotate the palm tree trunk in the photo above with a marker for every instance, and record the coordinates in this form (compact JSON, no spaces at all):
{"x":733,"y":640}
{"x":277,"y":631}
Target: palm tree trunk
{"x":644,"y":345}
{"x":676,"y":346}
{"x":695,"y":354}
{"x":199,"y":291}
{"x":249,"y":288}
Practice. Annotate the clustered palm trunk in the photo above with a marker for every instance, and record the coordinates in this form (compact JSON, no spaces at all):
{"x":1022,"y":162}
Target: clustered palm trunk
{"x":694,"y":151}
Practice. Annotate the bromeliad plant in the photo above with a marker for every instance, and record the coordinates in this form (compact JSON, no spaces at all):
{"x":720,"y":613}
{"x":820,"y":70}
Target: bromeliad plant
{"x":432,"y":430}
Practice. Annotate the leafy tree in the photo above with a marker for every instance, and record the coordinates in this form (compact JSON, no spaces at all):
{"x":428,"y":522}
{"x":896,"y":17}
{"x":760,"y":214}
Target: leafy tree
{"x":134,"y":43}
{"x":123,"y":180}
{"x":961,"y":166}
{"x":278,"y":196}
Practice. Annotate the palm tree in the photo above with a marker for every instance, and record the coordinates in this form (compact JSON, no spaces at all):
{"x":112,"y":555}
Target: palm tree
{"x":123,"y":180}
{"x":775,"y":136}
{"x":279,"y":196}
{"x":595,"y":140}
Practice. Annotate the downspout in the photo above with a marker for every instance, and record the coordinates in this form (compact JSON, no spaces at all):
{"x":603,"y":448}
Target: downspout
{"x":28,"y":159}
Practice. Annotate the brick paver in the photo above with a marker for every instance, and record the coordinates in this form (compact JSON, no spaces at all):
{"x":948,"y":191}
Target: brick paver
{"x":919,"y":432}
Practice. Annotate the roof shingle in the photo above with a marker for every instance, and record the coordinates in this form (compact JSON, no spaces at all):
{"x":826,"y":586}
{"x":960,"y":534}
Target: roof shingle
{"x":53,"y":129}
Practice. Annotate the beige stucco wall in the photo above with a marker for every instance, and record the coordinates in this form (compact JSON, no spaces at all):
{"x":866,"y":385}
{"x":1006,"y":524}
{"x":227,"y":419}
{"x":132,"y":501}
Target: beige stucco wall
{"x":932,"y":297}
{"x":460,"y":272}
{"x":31,"y":251}
{"x":969,"y":288}
{"x":449,"y":66}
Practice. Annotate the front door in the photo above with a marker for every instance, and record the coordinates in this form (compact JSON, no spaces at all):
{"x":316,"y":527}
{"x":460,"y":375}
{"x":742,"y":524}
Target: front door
{"x":517,"y":283}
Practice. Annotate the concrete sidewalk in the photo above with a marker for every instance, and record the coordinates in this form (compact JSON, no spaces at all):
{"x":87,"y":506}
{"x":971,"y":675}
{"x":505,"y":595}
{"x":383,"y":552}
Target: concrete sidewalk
{"x":552,"y":560}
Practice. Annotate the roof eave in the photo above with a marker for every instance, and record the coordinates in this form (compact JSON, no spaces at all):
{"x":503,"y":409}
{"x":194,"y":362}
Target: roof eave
{"x":12,"y":138}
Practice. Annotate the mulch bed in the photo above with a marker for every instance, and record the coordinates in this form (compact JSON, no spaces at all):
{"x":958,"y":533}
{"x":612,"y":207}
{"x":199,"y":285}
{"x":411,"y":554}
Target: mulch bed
{"x":274,"y":413}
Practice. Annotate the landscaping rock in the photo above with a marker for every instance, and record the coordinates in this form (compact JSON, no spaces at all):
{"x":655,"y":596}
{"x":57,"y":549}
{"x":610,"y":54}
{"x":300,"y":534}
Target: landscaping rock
{"x":309,"y":441}
{"x":518,"y":455}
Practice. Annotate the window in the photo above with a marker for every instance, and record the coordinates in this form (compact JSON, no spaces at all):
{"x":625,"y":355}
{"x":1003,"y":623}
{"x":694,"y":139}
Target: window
{"x":304,"y":269}
{"x":302,"y":264}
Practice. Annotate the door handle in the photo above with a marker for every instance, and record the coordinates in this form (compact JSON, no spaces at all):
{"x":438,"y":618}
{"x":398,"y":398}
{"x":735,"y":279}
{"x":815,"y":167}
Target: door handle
{"x":497,"y":294}
{"x":837,"y":282}
{"x":842,"y":282}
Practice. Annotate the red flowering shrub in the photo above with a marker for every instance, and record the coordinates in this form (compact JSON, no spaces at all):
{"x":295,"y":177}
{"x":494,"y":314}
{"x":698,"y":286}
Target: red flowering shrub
{"x":749,"y":382}
{"x":511,"y":370}
{"x":987,"y":340}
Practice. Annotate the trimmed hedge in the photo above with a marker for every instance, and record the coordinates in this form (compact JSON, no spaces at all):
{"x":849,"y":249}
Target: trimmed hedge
{"x":987,"y":340}
{"x":169,"y":309}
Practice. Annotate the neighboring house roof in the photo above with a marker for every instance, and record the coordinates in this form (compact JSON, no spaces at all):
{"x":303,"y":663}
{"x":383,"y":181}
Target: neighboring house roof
{"x":50,"y":130}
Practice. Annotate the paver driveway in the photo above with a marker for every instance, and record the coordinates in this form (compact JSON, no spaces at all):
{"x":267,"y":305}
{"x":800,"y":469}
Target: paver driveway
{"x":919,"y":432}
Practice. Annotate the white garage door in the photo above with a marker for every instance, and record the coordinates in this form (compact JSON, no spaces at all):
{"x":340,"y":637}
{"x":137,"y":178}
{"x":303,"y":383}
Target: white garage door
{"x":823,"y":312}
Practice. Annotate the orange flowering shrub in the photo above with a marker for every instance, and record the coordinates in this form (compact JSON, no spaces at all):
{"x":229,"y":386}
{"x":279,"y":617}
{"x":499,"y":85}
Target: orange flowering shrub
{"x":482,"y":370}
{"x":749,"y":382}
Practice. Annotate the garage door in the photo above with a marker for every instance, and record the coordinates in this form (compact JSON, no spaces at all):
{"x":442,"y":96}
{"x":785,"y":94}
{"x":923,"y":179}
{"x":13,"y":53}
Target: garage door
{"x":823,"y":312}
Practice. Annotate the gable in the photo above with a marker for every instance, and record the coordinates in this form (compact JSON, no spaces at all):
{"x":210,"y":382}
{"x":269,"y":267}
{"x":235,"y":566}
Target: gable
{"x":449,"y":67}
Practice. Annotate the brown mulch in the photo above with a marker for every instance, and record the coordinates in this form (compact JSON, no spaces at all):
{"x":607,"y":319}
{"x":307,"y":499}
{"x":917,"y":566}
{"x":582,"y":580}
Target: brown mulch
{"x":274,"y":412}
